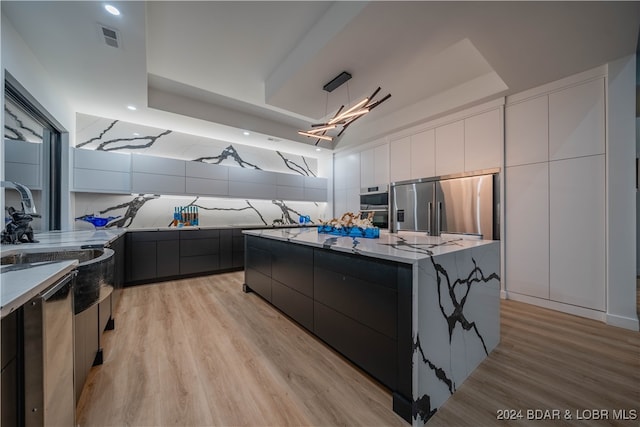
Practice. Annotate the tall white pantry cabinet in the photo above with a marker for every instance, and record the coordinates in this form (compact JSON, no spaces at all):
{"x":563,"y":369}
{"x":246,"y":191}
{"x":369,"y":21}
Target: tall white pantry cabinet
{"x":555,"y":194}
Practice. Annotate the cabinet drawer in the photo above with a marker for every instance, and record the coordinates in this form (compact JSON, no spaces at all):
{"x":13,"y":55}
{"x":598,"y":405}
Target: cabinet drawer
{"x":292,"y":265}
{"x":258,"y":282}
{"x":168,"y":258}
{"x":372,"y":351}
{"x":199,"y":234}
{"x":372,"y":305}
{"x":294,"y":304}
{"x":199,"y":264}
{"x":151,"y":236}
{"x":197,"y":247}
{"x":368,"y":269}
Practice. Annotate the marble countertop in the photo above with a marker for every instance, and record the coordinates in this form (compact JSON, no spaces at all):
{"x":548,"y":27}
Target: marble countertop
{"x":405,"y":246}
{"x":222,"y":227}
{"x":58,"y":240}
{"x":21,"y":282}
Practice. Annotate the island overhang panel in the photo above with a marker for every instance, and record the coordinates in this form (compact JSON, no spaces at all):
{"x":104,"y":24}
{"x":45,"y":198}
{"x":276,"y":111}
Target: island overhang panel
{"x":439,"y":296}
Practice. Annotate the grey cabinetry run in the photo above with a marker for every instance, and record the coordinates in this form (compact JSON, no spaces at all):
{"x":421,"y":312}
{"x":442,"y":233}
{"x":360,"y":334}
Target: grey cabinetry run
{"x":168,"y":254}
{"x":360,"y":306}
{"x":292,"y":281}
{"x":257,"y":271}
{"x":199,"y":251}
{"x":152,"y":255}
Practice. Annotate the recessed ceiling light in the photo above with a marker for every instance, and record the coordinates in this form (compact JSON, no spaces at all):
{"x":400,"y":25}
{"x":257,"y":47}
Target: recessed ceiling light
{"x":112,"y":10}
{"x":246,"y":133}
{"x":131,"y":107}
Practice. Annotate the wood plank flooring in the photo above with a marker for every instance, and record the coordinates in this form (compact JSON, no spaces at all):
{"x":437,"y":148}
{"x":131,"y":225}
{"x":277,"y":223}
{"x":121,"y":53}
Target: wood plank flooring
{"x":200,"y":352}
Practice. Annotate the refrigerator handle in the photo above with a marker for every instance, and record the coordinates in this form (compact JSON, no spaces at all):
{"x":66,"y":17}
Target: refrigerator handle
{"x":429,"y":216}
{"x":438,"y":218}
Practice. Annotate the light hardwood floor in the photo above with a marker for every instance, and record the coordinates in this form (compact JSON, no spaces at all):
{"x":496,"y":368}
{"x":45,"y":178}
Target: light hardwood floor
{"x":199,"y":352}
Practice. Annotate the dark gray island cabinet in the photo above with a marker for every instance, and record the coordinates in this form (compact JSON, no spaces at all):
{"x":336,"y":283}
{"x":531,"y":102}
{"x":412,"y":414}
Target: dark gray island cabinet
{"x":417,"y":313}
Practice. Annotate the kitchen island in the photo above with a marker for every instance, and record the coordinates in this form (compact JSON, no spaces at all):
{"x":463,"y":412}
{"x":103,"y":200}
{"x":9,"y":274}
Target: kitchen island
{"x":418,"y":313}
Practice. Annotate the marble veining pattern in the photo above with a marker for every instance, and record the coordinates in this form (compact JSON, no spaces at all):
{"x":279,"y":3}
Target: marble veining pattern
{"x":149,"y":211}
{"x":130,"y":143}
{"x":98,"y":133}
{"x":407,"y":247}
{"x":456,"y":322}
{"x":228,"y":152}
{"x":18,"y":126}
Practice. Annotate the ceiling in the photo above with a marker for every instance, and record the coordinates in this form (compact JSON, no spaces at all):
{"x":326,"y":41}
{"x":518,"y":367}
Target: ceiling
{"x":221,"y":67}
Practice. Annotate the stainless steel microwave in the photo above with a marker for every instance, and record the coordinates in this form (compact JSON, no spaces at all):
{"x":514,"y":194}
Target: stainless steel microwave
{"x":374,"y":197}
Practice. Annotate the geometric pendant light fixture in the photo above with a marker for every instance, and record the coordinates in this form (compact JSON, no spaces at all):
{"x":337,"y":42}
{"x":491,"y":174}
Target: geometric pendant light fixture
{"x":342,"y":119}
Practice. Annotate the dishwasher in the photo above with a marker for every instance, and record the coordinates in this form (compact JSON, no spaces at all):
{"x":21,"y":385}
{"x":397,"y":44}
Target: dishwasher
{"x":48,"y":356}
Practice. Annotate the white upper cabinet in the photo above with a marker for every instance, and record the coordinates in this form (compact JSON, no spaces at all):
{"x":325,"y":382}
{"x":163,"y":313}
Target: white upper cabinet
{"x":381,"y":165}
{"x":577,"y":121}
{"x":346,"y":182}
{"x":483,"y":141}
{"x":374,"y":166}
{"x":450,"y":148}
{"x":423,"y":154}
{"x":367,"y":167}
{"x":577,"y":231}
{"x":527,"y":131}
{"x":400,"y":159}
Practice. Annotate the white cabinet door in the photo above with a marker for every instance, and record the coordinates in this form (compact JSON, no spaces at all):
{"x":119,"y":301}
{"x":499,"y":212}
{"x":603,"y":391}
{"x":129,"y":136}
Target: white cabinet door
{"x":400,"y":159}
{"x":527,"y":131}
{"x":381,"y":165}
{"x":577,"y":231}
{"x":346,"y":183}
{"x":450,"y":148}
{"x":367,"y":167}
{"x":527,"y":229}
{"x":483,"y":141}
{"x":423,"y":154}
{"x":576,"y":121}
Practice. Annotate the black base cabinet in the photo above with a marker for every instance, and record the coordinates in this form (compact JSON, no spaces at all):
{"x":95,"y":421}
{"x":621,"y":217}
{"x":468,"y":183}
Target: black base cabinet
{"x":171,"y":254}
{"x":360,"y":306}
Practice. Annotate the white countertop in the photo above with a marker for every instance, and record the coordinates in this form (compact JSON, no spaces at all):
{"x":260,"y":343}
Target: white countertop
{"x":405,"y":246}
{"x":21,"y":282}
{"x":66,"y":239}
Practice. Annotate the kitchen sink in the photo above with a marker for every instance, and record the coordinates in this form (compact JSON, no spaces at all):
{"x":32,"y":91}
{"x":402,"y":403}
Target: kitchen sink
{"x":95,"y":270}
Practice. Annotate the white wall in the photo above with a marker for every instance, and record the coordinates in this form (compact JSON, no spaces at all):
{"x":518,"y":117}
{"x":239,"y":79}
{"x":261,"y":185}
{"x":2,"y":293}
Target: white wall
{"x":621,"y":209}
{"x":21,"y":63}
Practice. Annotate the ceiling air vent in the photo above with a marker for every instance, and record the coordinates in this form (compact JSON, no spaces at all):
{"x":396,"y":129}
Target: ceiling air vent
{"x":111,"y":36}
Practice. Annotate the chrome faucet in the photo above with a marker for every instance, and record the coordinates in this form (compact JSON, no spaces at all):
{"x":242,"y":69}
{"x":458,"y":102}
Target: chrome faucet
{"x":28,"y":206}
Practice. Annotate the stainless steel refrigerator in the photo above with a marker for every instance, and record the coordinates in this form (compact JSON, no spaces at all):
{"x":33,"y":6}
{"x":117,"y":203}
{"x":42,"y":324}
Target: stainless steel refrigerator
{"x":465,"y":205}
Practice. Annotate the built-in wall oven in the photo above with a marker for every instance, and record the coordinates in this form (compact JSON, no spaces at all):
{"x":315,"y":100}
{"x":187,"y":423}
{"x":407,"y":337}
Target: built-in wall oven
{"x":374,"y":202}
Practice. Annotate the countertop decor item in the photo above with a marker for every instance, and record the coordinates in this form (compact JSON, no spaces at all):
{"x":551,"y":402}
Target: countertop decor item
{"x":96,"y":220}
{"x":350,"y":225}
{"x":368,"y":232}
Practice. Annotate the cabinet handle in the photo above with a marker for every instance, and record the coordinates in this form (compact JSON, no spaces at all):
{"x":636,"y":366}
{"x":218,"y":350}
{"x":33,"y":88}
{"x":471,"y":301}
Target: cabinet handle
{"x":429,"y":216}
{"x":439,"y":219}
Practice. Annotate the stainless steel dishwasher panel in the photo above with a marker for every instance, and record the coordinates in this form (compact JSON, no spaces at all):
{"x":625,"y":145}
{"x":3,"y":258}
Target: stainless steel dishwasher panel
{"x":48,"y":364}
